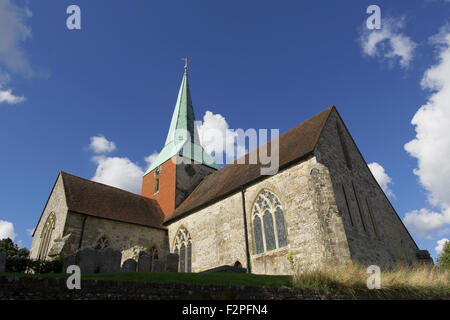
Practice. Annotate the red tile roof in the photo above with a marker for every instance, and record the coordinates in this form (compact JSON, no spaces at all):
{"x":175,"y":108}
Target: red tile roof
{"x":103,"y":201}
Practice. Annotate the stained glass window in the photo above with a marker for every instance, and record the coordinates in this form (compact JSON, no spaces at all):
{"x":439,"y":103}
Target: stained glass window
{"x":269,"y":231}
{"x":182,"y":258}
{"x":281,"y":230}
{"x":269,"y":228}
{"x":153,"y":256}
{"x":183,"y":247}
{"x":258,"y":235}
{"x":188,"y":257}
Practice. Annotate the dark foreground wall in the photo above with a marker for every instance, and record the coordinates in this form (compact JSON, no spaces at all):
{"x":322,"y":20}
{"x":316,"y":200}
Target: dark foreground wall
{"x":22,"y":288}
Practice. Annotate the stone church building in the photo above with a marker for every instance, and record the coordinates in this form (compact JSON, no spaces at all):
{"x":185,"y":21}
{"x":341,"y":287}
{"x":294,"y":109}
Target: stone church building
{"x":322,"y":207}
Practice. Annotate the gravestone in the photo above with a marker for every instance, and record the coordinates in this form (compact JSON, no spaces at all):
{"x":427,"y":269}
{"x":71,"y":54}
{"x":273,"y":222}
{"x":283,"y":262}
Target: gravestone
{"x":108,"y":260}
{"x":129,"y":265}
{"x":158,"y":266}
{"x":144,"y":263}
{"x":172,"y":262}
{"x":86,"y":259}
{"x":2,"y":262}
{"x":68,"y":261}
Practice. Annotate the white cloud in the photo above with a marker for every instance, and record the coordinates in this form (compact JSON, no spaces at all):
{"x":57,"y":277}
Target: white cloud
{"x":118,"y":172}
{"x":6,"y":96}
{"x":388,"y":42}
{"x":13,"y":32}
{"x":424,"y":222}
{"x":382,"y":178}
{"x":441,"y":243}
{"x":123,"y":173}
{"x":30,"y":231}
{"x":217,"y":138}
{"x":99,"y":144}
{"x":7,"y":230}
{"x":431,"y":145}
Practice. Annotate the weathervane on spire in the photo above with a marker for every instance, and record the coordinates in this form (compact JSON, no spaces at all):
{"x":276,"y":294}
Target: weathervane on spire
{"x":185,"y":64}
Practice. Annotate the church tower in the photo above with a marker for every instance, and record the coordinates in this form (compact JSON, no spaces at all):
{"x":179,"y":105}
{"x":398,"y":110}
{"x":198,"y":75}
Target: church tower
{"x":182,"y":163}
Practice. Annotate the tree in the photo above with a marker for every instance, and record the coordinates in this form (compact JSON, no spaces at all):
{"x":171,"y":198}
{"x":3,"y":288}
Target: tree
{"x":12,"y":249}
{"x":444,"y":257}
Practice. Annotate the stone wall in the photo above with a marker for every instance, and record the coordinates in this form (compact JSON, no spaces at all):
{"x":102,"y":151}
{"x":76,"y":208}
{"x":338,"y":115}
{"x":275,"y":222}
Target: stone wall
{"x":315,"y":232}
{"x":374,"y":231}
{"x":217,"y":234}
{"x":57,"y":204}
{"x":325,"y":224}
{"x":55,"y":289}
{"x":128,"y":238}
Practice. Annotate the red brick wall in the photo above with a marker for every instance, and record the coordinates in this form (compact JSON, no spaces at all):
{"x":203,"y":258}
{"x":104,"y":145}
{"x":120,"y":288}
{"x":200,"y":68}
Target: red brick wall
{"x":167,"y":184}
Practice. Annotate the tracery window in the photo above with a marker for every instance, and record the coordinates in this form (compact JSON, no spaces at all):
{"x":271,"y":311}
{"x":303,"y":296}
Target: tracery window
{"x":46,"y":235}
{"x":183,"y":247}
{"x":102,"y":242}
{"x":269,"y":230}
{"x":153,"y":256}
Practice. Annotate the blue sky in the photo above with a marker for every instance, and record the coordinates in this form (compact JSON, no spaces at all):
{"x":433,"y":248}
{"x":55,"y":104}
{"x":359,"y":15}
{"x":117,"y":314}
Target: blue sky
{"x":258,"y":64}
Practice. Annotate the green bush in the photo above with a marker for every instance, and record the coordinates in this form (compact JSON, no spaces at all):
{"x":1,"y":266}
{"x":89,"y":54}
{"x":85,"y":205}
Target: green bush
{"x":16,"y":264}
{"x":12,"y":249}
{"x":444,"y":257}
{"x":23,"y":264}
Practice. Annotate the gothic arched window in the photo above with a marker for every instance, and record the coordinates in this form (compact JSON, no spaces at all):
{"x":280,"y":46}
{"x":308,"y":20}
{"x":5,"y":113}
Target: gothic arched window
{"x":46,"y":235}
{"x":183,"y":247}
{"x":153,"y":256}
{"x":269,"y":230}
{"x":102,"y":242}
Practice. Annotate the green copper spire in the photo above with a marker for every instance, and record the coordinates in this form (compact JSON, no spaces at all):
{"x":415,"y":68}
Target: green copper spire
{"x":183,"y":138}
{"x":183,"y":119}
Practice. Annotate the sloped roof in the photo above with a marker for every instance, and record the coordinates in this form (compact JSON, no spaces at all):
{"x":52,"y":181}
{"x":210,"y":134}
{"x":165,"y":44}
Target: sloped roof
{"x":103,"y":201}
{"x":293,"y":145}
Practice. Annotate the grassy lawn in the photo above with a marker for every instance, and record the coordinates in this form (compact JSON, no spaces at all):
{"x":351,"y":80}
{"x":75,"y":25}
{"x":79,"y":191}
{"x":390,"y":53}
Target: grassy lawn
{"x":422,"y":279}
{"x":213,"y":278}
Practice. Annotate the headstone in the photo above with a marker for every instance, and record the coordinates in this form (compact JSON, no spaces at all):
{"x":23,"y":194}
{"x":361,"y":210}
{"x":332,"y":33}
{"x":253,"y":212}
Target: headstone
{"x":2,"y":262}
{"x":172,"y":262}
{"x":144,"y":263}
{"x":87,"y":260}
{"x":158,"y":266}
{"x":68,"y":261}
{"x":129,"y":265}
{"x":108,"y":260}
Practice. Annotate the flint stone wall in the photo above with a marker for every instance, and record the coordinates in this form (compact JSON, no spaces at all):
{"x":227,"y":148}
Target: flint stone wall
{"x":321,"y":229}
{"x":129,"y":239}
{"x":374,"y":232}
{"x":217,"y":231}
{"x":56,"y":289}
{"x":57,"y":204}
